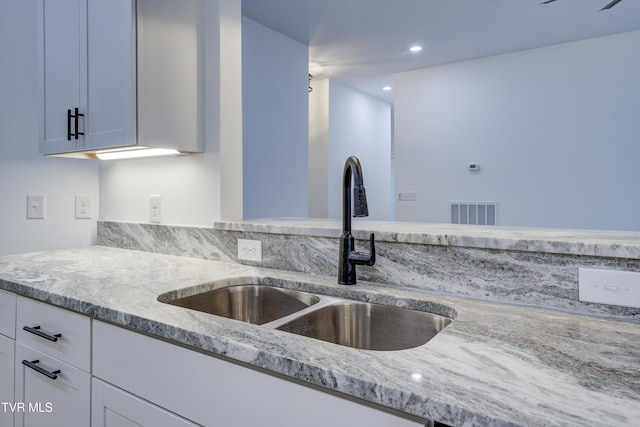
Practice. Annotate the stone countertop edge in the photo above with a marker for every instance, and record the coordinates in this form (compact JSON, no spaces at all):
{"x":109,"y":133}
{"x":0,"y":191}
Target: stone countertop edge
{"x":603,"y":243}
{"x":494,"y":365}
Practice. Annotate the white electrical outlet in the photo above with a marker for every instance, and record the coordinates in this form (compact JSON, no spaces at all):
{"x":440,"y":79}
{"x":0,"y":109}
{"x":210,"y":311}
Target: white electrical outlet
{"x":35,"y":206}
{"x":155,"y":208}
{"x":250,"y":250}
{"x":83,"y":207}
{"x":609,"y":287}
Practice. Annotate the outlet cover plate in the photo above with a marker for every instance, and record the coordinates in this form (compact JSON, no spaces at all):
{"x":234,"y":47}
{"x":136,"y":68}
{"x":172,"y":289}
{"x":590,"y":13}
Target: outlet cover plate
{"x":609,"y":287}
{"x":83,"y":207}
{"x":250,"y":250}
{"x":155,"y":208}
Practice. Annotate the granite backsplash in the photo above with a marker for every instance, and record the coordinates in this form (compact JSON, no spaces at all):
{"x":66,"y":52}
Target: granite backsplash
{"x":540,"y":279}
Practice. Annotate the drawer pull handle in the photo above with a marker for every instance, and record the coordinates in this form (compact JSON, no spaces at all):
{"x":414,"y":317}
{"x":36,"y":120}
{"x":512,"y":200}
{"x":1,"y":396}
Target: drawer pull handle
{"x":36,"y":331}
{"x":34,"y":365}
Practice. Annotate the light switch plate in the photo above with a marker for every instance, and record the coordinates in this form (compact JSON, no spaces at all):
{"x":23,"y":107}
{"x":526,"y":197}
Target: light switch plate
{"x":35,"y":206}
{"x":609,"y":287}
{"x":407,"y":196}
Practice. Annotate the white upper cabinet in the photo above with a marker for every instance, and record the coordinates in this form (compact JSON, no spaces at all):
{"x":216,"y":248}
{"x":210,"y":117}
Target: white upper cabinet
{"x":132,"y":69}
{"x":111,"y":83}
{"x":63,"y":71}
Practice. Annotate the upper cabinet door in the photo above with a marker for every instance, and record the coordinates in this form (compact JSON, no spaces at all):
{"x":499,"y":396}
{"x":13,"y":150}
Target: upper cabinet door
{"x":111,"y":29}
{"x":62,"y":35}
{"x":91,"y":55}
{"x":87,"y":54}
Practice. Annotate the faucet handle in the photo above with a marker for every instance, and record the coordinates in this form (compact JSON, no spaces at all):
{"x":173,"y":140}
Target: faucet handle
{"x":365,"y":258}
{"x":372,"y":250}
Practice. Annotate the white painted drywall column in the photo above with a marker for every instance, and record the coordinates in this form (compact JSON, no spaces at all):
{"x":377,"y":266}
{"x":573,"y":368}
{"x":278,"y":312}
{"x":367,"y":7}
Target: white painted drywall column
{"x":360,"y":125}
{"x":275,"y":123}
{"x":230,"y":109}
{"x":22,"y":170}
{"x":345,"y":122}
{"x":319,"y":149}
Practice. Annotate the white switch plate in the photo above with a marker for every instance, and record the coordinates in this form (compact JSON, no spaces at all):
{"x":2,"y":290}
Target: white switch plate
{"x":609,"y":287}
{"x":155,"y":208}
{"x":83,"y":207}
{"x":35,"y":206}
{"x":250,"y":250}
{"x":407,"y":196}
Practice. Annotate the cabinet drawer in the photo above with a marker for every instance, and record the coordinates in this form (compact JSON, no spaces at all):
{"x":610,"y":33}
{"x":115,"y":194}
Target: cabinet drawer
{"x":7,"y":314}
{"x":73,"y":345}
{"x":63,"y":401}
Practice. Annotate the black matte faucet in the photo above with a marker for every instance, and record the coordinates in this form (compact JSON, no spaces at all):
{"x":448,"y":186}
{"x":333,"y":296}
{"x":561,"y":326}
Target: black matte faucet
{"x":349,"y":258}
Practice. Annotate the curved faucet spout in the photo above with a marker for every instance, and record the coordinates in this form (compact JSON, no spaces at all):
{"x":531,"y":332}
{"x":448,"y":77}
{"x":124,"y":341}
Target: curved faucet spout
{"x":348,"y":257}
{"x":353,"y":168}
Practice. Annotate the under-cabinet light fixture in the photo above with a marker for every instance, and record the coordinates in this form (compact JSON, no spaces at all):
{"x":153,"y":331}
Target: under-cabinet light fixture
{"x":136,"y":153}
{"x":387,"y":88}
{"x":415,"y":48}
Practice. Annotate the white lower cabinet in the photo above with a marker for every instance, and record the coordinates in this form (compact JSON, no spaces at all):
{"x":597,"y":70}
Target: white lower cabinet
{"x":112,"y":407}
{"x":52,"y":366}
{"x":8,"y":314}
{"x":46,"y":380}
{"x":7,"y":357}
{"x":214,"y":392}
{"x":52,"y":393}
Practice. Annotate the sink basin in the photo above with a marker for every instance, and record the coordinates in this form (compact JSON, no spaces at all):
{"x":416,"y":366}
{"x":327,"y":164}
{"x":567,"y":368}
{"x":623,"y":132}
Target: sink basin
{"x":255,"y":304}
{"x":368,"y":326}
{"x":355,"y":324}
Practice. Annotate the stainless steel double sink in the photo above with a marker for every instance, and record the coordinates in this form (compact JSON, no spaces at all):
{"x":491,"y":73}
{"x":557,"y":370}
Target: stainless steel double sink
{"x":361,"y":325}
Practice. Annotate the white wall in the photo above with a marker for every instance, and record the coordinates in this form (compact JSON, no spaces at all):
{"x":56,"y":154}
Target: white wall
{"x":22,"y":170}
{"x":275,"y":123}
{"x":554,"y":129}
{"x":354,"y":124}
{"x":360,"y":125}
{"x":202,"y":188}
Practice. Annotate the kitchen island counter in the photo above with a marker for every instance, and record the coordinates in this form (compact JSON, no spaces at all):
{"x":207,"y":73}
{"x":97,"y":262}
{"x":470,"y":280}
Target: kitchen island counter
{"x":494,"y":365}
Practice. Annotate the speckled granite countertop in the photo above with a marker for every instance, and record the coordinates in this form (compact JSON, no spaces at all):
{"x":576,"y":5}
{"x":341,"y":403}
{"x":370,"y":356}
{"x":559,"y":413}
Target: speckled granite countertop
{"x":495,"y":365}
{"x":606,"y":243}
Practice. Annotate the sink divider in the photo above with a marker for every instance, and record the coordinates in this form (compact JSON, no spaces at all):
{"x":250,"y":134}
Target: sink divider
{"x":324,"y":301}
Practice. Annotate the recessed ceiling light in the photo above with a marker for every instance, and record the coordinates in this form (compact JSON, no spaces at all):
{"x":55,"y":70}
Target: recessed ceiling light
{"x":387,"y":88}
{"x":415,"y":48}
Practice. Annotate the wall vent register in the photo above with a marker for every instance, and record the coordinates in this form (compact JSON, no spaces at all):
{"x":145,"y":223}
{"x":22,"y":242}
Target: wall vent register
{"x":476,"y":213}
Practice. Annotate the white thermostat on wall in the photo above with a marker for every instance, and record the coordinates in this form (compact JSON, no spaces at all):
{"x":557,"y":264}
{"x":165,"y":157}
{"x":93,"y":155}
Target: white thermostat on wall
{"x":474,"y":167}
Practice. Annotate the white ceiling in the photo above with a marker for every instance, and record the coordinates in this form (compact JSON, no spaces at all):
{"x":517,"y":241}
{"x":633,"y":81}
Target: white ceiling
{"x":362,"y":43}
